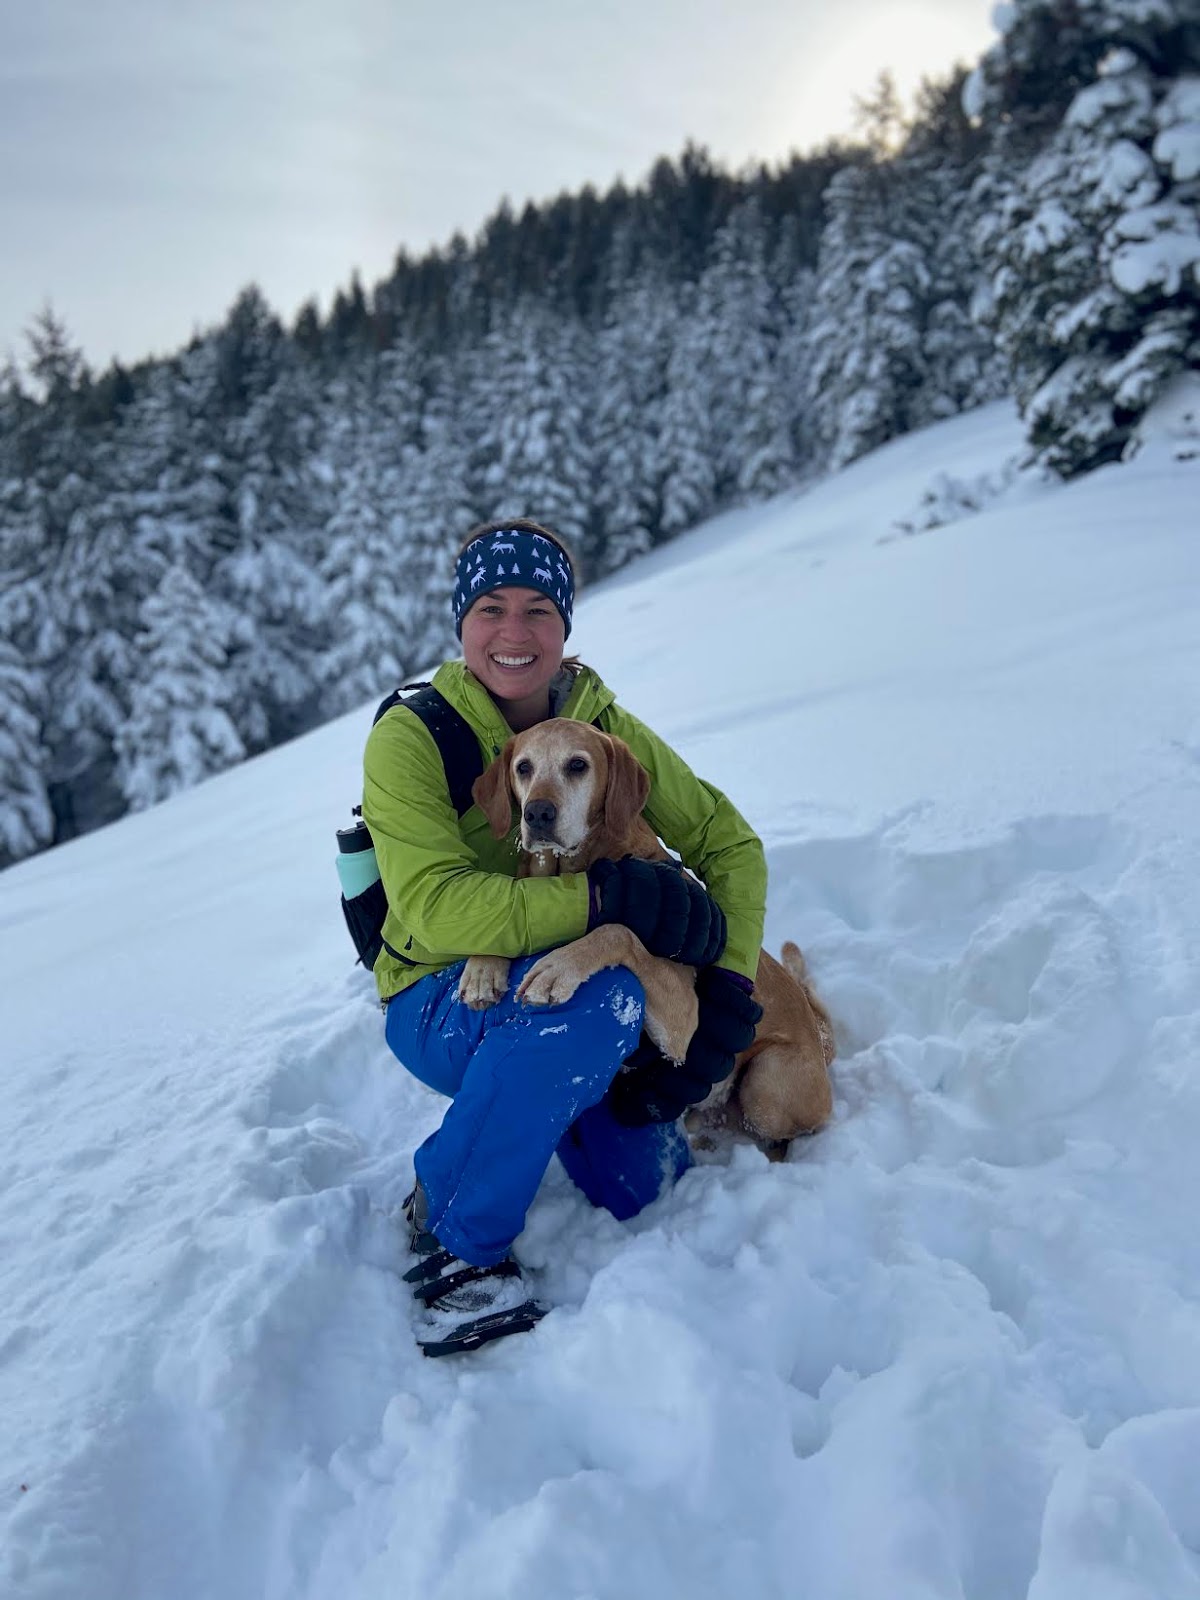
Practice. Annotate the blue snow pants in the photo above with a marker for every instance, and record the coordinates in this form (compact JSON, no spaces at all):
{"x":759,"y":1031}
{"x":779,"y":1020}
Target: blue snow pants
{"x":527,"y":1081}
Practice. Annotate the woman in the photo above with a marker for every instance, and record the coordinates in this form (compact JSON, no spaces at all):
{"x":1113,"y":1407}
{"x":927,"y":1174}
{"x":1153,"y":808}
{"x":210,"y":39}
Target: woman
{"x":526,"y":1082}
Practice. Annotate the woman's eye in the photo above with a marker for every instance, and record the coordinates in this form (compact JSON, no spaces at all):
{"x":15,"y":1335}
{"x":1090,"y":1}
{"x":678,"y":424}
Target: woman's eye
{"x":577,"y":764}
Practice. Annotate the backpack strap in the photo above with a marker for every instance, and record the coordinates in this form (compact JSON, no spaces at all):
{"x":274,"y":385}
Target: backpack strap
{"x":450,"y":731}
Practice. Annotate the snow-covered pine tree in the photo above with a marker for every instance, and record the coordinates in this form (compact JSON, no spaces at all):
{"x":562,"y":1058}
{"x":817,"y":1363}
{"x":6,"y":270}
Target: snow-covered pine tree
{"x":1095,"y":222}
{"x":687,"y":450}
{"x":794,"y":364}
{"x":28,"y":639}
{"x":529,"y":406}
{"x":438,"y":514}
{"x":156,"y":444}
{"x":399,"y":464}
{"x":96,"y":589}
{"x":184,"y":484}
{"x":55,"y":362}
{"x":26,"y":642}
{"x":179,"y":729}
{"x":264,"y":574}
{"x":73,"y":595}
{"x":631,"y":370}
{"x":364,"y":570}
{"x":740,"y":325}
{"x":936,"y":169}
{"x":26,"y":560}
{"x":26,"y":820}
{"x":872,"y":293}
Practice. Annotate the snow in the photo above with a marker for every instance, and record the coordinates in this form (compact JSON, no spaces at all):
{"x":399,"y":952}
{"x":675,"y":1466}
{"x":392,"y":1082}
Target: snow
{"x":1162,"y":251}
{"x":974,"y":95}
{"x":950,"y":1347}
{"x":1124,"y":178}
{"x":1050,"y":227}
{"x":1097,"y":103}
{"x":1171,"y":427}
{"x":1178,"y":148}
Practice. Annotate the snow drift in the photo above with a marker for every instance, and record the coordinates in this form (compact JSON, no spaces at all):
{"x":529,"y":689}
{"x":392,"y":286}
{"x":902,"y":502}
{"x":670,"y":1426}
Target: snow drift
{"x":950,"y":1348}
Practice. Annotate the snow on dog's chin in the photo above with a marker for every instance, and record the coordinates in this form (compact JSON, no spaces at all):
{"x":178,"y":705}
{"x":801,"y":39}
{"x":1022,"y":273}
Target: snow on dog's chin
{"x":537,"y":847}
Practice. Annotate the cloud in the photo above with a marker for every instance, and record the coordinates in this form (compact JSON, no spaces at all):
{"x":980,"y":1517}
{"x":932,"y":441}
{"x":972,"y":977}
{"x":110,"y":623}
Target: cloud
{"x":155,"y":158}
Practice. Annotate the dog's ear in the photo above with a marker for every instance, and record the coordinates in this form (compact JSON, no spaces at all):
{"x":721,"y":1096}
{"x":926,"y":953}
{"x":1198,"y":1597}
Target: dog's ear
{"x":628,"y":786}
{"x":492,"y":792}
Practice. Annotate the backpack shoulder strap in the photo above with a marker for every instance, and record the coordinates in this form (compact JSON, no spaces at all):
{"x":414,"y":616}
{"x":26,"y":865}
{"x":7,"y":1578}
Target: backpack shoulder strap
{"x":450,"y":731}
{"x":396,"y":698}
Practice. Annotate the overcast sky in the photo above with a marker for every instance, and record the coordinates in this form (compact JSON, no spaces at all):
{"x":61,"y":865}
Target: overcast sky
{"x":158,"y":155}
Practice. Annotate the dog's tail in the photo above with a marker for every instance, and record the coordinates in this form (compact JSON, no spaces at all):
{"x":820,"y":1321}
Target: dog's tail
{"x":793,"y":961}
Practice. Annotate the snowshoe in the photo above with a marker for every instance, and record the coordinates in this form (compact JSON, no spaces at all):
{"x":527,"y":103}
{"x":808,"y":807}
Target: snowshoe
{"x":471,"y":1334}
{"x":463,"y":1306}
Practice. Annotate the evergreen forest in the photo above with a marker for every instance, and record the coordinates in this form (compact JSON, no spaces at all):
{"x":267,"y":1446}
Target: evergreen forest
{"x":204,"y":555}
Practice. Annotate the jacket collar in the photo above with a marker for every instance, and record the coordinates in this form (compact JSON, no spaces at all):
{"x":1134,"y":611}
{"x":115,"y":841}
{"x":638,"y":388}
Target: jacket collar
{"x":587,"y":698}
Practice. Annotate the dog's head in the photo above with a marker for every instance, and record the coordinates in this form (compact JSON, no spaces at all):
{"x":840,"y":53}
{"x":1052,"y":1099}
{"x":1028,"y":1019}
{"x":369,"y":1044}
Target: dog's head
{"x":576,"y":789}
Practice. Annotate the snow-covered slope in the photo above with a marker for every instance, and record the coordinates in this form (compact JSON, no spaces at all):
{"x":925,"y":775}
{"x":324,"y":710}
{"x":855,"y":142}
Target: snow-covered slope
{"x":950,"y":1348}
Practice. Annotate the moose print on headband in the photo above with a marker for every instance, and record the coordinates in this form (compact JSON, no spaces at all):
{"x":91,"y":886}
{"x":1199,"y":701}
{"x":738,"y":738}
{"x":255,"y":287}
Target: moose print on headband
{"x":516,"y":559}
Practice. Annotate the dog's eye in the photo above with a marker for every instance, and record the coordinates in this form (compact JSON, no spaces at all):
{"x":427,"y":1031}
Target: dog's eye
{"x":523,"y":767}
{"x":577,"y":764}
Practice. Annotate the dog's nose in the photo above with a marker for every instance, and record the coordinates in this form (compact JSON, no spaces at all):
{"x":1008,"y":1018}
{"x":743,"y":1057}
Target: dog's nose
{"x":541,"y":815}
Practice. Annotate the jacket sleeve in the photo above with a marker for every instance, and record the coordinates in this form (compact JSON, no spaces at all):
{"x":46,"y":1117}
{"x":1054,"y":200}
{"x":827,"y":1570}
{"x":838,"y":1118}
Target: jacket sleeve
{"x":710,"y":835}
{"x":435,"y":888}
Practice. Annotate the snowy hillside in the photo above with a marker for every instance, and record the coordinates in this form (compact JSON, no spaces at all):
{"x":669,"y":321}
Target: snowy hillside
{"x":951,"y":1348}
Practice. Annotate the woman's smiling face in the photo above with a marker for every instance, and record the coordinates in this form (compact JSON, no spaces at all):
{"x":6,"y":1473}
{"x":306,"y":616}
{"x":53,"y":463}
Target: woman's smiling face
{"x":513,"y":642}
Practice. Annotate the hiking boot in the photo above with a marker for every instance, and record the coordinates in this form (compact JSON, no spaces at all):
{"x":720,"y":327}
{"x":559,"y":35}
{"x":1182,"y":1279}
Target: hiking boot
{"x":416,"y":1213}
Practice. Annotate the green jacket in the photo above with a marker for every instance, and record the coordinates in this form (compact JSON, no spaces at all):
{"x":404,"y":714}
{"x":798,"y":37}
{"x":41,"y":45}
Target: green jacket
{"x":451,"y":887}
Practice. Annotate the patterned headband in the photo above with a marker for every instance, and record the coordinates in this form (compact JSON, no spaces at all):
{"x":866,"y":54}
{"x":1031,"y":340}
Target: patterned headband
{"x":513,"y":559}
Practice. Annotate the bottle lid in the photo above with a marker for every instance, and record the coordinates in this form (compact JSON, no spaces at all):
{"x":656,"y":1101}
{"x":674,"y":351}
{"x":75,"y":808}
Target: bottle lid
{"x":356,"y":838}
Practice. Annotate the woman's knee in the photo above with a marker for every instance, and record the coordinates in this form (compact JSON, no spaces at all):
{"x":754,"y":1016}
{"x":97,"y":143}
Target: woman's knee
{"x":614,"y":1002}
{"x":623,"y":1169}
{"x":613,"y":999}
{"x":571,"y":1051}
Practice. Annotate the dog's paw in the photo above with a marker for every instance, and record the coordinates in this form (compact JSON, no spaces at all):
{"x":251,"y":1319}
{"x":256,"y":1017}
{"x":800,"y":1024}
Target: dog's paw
{"x":551,"y":981}
{"x":484,"y":981}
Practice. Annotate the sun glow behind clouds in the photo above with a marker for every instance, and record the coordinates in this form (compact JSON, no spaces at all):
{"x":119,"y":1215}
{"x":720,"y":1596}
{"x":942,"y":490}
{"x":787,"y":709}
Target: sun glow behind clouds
{"x":155,"y":159}
{"x":913,"y":39}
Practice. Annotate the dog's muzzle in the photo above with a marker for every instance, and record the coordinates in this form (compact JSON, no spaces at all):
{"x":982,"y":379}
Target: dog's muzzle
{"x":539,"y":817}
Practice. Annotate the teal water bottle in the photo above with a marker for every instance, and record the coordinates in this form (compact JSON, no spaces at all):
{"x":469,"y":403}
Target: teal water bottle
{"x":357,"y":868}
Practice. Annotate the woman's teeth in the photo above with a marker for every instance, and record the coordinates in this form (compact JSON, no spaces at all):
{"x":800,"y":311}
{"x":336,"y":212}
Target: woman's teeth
{"x":513,"y":661}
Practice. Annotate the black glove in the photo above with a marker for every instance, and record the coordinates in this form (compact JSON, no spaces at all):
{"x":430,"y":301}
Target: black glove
{"x":670,"y":912}
{"x":653,"y":1089}
{"x":649,"y":1088}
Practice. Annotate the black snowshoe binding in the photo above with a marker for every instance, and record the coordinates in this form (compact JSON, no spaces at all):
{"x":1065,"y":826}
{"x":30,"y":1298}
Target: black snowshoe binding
{"x":463,"y":1306}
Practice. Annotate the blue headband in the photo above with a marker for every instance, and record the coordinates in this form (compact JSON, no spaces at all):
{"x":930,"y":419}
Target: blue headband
{"x":513,"y":559}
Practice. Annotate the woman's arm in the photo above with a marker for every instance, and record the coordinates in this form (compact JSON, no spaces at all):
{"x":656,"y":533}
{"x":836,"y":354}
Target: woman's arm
{"x":436,"y":891}
{"x":712,"y":837}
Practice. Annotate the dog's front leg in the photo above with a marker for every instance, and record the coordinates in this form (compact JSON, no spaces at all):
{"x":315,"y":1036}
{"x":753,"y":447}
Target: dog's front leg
{"x":484,"y":981}
{"x":671,"y":1010}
